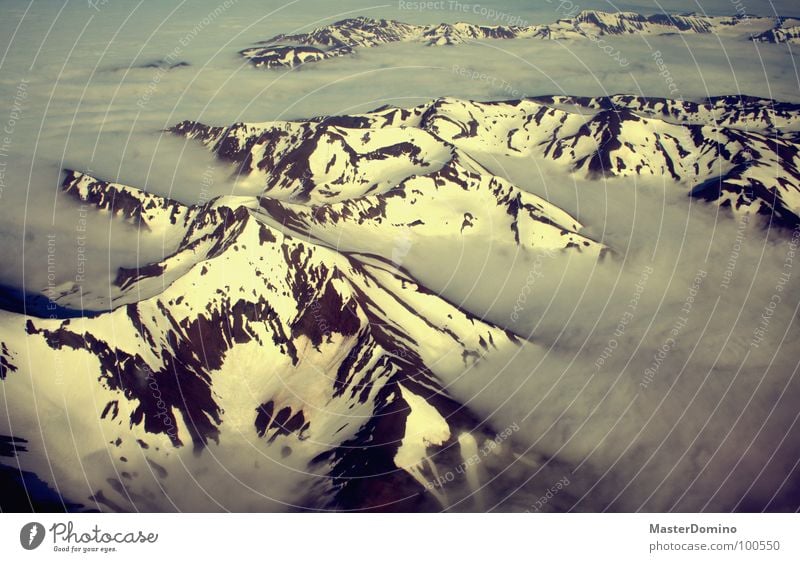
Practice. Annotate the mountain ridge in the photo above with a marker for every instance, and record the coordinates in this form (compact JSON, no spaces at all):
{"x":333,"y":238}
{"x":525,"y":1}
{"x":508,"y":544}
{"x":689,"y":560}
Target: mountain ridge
{"x":344,"y":37}
{"x":730,"y":145}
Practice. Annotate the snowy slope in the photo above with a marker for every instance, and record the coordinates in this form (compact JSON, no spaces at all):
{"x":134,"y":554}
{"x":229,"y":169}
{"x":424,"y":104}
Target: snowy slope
{"x":244,"y":339}
{"x":739,"y":153}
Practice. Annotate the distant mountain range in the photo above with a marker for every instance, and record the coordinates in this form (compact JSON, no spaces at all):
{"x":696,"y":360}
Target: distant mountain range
{"x":344,"y":37}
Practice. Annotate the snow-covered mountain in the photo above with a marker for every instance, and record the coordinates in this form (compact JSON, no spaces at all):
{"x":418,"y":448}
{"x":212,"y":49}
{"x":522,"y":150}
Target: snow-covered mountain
{"x":370,"y":183}
{"x":325,"y":362}
{"x":289,"y":332}
{"x":786,"y":31}
{"x":287,"y":320}
{"x":739,"y":152}
{"x":344,"y":37}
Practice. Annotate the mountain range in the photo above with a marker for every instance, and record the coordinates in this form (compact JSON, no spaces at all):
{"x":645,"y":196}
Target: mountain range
{"x":293,"y":322}
{"x":345,"y":37}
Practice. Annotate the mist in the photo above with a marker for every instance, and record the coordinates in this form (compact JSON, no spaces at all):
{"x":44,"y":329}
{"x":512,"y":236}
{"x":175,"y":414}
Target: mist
{"x":665,"y":366}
